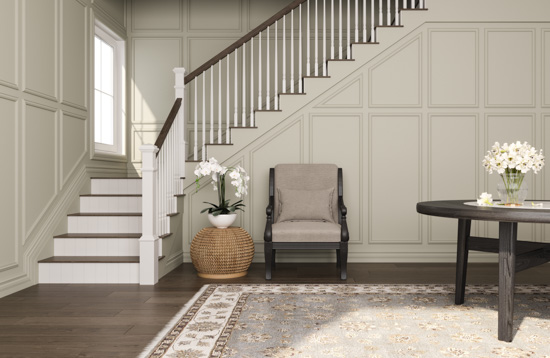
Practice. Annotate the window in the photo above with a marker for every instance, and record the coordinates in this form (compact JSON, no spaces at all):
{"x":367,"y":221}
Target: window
{"x":109,"y":101}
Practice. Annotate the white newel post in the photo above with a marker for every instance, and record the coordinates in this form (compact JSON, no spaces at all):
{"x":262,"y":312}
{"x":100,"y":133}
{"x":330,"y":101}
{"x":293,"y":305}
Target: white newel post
{"x":179,"y":89}
{"x":148,"y":243}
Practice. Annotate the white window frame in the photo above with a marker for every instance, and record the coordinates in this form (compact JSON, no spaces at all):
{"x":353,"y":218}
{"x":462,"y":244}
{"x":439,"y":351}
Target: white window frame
{"x":119,"y":105}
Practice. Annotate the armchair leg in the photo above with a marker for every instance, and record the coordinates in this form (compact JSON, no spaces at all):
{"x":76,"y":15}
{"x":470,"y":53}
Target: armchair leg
{"x":274,"y":251}
{"x":268,"y":251}
{"x":338,"y":261}
{"x":343,"y":260}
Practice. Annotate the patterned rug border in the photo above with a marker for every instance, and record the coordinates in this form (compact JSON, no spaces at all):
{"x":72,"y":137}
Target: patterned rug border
{"x":164,"y":339}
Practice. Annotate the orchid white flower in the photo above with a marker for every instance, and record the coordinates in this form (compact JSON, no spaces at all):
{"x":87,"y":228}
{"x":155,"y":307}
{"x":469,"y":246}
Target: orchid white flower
{"x":485,"y":199}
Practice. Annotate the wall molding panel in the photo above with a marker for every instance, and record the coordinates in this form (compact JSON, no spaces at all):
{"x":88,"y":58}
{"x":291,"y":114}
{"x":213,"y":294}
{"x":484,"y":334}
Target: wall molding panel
{"x":453,"y":83}
{"x":510,"y":70}
{"x":10,"y":42}
{"x":545,"y":68}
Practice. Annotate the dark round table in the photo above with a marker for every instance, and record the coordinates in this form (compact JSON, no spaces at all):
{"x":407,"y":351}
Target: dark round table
{"x":513,"y":255}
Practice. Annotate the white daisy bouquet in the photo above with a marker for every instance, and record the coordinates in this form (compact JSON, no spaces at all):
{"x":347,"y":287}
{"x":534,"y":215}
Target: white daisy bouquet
{"x":239,"y":180}
{"x":512,"y":162}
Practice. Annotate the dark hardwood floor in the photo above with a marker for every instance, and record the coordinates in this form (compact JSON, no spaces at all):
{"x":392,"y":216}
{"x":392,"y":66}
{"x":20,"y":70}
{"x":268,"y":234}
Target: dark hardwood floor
{"x":62,"y":320}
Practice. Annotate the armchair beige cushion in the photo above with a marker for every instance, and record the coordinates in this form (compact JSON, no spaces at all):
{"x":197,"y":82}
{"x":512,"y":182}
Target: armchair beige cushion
{"x":305,"y":205}
{"x":306,"y":231}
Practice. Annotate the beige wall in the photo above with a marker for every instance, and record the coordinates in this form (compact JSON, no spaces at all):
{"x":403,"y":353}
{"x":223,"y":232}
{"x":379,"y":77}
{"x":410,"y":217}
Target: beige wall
{"x":178,"y":33}
{"x":412,"y":124}
{"x":44,"y":109}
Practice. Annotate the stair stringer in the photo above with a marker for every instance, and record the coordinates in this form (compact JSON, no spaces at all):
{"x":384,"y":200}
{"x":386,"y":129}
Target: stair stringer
{"x":289,"y":104}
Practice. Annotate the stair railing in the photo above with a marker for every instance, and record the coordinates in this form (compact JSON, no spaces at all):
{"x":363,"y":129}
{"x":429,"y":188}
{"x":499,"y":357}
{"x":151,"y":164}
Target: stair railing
{"x":163,"y":167}
{"x":272,"y":58}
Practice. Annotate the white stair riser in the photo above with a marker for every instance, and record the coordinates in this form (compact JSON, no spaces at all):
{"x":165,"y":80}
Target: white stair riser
{"x":116,"y":186}
{"x":88,"y":273}
{"x":104,"y":224}
{"x":96,"y":247}
{"x":110,"y":204}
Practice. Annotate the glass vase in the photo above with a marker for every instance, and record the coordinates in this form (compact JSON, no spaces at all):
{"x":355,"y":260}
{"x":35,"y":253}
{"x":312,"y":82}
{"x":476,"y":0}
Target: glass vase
{"x":512,"y":190}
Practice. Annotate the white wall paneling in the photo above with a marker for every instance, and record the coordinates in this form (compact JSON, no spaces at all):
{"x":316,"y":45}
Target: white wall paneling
{"x":9,"y":210}
{"x":74,"y":50}
{"x":112,"y":10}
{"x":453,"y":67}
{"x":394,"y":178}
{"x":510,"y":70}
{"x":153,"y":60}
{"x":447,"y":164}
{"x":9,"y":42}
{"x":159,"y":15}
{"x":395,"y":80}
{"x":40,"y":52}
{"x":217,"y":16}
{"x":40,"y":163}
{"x":74,"y":143}
{"x":350,"y":96}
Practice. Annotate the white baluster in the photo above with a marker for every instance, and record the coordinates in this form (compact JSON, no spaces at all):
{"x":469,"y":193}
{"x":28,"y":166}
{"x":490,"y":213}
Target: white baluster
{"x":227,"y":108}
{"x":331,"y":29}
{"x":372,"y":33}
{"x":236,"y":92}
{"x":365,"y":21}
{"x":308,"y":39}
{"x":203,"y":116}
{"x":292,"y":51}
{"x":195,"y":130}
{"x":251,"y":121}
{"x":243,"y":119}
{"x":212,"y":104}
{"x":267,"y":76}
{"x":404,"y":4}
{"x":180,"y":134}
{"x":349,"y":32}
{"x":397,"y":12}
{"x":316,"y":39}
{"x":260,"y":70}
{"x":340,"y":32}
{"x":276,"y":77}
{"x":380,"y":13}
{"x":324,"y":38}
{"x":300,"y":80}
{"x":220,"y":102}
{"x":421,"y":4}
{"x":388,"y":12}
{"x":284,"y":55}
{"x":356,"y":20}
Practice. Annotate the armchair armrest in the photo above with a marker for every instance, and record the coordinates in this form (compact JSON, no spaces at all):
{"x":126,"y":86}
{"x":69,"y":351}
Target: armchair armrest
{"x":344,"y":233}
{"x":268,"y":236}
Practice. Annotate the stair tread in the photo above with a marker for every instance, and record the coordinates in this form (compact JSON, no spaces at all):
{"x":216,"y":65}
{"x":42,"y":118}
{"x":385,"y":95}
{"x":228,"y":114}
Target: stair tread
{"x":98,"y":236}
{"x":105,"y":214}
{"x":91,"y":259}
{"x":113,"y":195}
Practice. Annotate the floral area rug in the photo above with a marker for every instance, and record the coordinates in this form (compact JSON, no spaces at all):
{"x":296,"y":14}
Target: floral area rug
{"x":249,"y":321}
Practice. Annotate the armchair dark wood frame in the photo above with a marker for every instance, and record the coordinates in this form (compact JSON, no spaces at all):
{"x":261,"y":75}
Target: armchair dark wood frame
{"x":341,"y":247}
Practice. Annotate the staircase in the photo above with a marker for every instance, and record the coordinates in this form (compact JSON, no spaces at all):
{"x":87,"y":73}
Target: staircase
{"x":247,"y":86}
{"x":102,"y":243}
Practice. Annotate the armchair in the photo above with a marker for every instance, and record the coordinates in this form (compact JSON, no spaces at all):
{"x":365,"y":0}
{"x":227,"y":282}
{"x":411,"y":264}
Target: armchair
{"x":306,"y":211}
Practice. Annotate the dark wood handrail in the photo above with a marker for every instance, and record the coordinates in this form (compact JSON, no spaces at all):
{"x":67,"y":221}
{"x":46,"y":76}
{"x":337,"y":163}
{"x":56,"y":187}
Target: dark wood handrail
{"x":168,"y":124}
{"x":264,"y":25}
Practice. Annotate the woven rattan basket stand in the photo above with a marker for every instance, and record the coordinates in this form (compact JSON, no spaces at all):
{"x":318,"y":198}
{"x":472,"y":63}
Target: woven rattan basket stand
{"x":222,"y":253}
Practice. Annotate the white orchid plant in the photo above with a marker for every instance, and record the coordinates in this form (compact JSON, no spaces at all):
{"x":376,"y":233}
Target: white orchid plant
{"x":239,"y":180}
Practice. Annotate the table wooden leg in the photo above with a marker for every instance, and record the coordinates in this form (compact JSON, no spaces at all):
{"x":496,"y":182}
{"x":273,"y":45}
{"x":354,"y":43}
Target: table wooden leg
{"x":506,"y":275}
{"x":462,"y":259}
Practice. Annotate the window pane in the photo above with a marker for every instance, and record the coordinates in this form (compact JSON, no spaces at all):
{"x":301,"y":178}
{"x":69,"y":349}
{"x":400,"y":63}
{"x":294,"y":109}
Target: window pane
{"x":97,"y":116}
{"x":97,"y":63}
{"x":107,"y":119}
{"x":107,"y":64}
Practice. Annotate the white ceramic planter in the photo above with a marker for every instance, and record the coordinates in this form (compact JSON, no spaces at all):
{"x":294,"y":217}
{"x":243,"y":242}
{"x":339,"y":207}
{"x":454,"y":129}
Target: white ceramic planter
{"x":222,"y":221}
